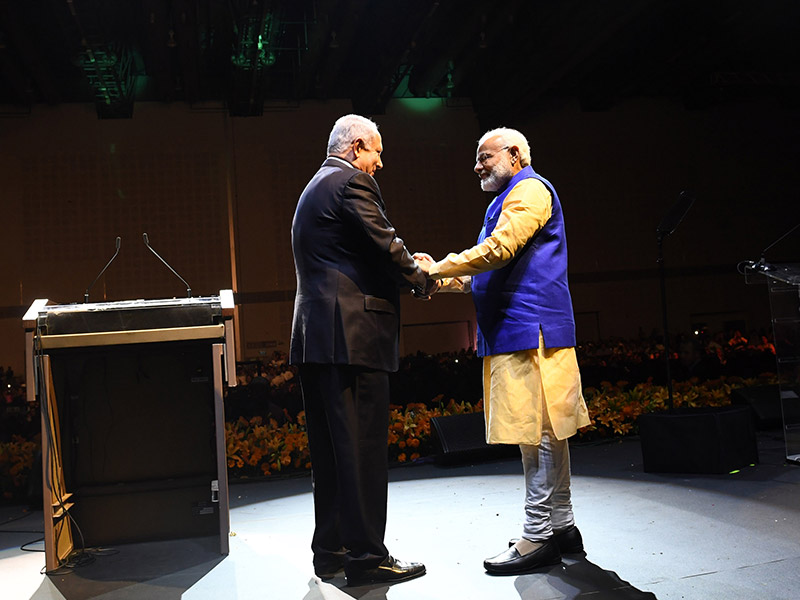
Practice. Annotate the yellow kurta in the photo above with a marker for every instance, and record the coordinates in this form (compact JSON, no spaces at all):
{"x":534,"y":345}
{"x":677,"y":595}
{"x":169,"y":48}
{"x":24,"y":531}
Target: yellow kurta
{"x":517,"y":386}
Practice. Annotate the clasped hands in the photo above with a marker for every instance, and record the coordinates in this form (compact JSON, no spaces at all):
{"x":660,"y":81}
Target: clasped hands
{"x":424,"y":262}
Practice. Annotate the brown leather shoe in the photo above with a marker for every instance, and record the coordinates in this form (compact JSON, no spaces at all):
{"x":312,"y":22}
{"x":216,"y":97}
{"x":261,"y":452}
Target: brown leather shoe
{"x":390,"y":570}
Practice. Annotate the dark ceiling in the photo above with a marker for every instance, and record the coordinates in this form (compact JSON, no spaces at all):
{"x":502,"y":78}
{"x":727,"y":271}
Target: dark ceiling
{"x":507,"y":57}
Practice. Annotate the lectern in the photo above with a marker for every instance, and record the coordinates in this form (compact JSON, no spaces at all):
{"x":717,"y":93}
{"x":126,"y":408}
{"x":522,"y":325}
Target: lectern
{"x":133,"y":429}
{"x":784,"y":299}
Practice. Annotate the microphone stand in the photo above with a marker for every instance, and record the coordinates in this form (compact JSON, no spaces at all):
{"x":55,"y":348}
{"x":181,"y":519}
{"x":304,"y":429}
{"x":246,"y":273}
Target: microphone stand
{"x":668,"y":224}
{"x":86,"y":293}
{"x":662,"y":278}
{"x":174,"y":272}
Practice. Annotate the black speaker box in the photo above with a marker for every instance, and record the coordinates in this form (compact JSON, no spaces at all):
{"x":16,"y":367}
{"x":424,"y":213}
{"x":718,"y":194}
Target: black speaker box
{"x":462,"y":438}
{"x":698,"y":440}
{"x":764,"y":402}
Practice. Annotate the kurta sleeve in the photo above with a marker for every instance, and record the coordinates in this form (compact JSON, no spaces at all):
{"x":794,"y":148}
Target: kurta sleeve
{"x":461,"y":284}
{"x":525,"y":211}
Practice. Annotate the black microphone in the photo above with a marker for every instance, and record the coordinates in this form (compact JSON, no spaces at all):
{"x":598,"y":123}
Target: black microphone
{"x":675,"y":215}
{"x":86,"y":293}
{"x":147,"y":243}
{"x":762,"y":264}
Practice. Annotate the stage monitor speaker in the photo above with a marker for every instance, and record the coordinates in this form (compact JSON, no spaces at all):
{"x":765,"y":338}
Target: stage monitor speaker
{"x":764,"y":402}
{"x":698,"y":440}
{"x":462,"y":438}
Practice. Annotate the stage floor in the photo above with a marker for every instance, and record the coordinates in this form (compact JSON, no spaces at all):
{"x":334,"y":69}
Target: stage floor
{"x":659,"y":536}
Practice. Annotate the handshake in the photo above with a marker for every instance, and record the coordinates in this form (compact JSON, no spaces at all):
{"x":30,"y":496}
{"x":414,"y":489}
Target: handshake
{"x":424,"y":262}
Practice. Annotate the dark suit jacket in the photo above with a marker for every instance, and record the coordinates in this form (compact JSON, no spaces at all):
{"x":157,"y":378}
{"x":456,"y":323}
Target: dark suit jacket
{"x":350,"y":266}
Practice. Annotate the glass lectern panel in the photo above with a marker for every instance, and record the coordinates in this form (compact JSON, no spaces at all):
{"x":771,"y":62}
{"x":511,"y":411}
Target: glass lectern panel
{"x":784,"y":296}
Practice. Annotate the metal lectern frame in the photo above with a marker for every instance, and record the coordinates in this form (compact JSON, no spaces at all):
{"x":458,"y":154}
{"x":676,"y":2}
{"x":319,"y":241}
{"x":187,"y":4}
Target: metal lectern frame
{"x":783,"y":281}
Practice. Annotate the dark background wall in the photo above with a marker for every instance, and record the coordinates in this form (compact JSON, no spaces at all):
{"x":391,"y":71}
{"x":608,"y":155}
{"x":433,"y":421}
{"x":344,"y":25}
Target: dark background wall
{"x":216,"y":195}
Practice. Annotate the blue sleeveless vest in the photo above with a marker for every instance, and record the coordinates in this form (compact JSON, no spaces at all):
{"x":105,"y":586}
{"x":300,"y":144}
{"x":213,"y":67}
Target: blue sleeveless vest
{"x":530,"y":292}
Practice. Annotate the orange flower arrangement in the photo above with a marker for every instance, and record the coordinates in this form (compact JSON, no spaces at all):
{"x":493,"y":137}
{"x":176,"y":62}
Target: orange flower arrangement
{"x":16,"y":461}
{"x":257,"y":447}
{"x":614,"y":409}
{"x":410,"y":427}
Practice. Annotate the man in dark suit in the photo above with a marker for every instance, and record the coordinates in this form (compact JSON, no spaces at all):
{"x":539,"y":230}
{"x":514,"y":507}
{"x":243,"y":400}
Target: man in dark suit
{"x":350,"y":267}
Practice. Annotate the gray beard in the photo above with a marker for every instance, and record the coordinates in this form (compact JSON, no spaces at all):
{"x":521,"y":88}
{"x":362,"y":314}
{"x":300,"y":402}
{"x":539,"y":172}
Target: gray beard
{"x":490,"y":184}
{"x":500,"y":176}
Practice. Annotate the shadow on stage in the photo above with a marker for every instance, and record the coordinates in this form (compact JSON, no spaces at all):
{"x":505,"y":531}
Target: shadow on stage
{"x":573,"y":579}
{"x":154,"y":570}
{"x":578,"y":578}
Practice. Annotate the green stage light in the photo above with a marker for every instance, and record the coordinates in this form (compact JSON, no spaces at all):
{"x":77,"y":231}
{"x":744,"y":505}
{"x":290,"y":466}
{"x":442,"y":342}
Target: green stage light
{"x":420,"y":105}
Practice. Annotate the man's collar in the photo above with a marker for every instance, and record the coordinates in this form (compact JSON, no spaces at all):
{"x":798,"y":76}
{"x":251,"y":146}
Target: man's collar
{"x":341,"y":160}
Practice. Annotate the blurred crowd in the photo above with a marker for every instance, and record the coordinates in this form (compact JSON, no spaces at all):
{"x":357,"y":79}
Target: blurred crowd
{"x":17,"y":417}
{"x":697,"y":355}
{"x":265,"y":388}
{"x":270,"y":388}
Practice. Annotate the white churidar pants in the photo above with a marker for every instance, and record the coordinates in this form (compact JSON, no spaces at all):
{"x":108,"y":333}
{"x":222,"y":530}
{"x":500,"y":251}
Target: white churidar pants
{"x":548,"y":504}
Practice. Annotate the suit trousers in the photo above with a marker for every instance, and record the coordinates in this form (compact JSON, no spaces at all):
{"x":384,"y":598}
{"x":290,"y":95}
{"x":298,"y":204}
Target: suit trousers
{"x":347,"y":419}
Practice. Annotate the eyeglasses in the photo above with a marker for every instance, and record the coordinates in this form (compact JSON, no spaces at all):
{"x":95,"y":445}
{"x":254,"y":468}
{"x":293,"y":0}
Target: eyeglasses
{"x":484,"y":156}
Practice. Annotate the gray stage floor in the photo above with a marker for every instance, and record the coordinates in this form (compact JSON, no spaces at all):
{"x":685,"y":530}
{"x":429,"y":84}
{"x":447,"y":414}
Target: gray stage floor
{"x":646,"y":535}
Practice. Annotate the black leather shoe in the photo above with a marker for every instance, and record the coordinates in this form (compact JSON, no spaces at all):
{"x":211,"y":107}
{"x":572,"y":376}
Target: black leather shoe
{"x":390,"y":570}
{"x":511,"y":562}
{"x":569,"y":540}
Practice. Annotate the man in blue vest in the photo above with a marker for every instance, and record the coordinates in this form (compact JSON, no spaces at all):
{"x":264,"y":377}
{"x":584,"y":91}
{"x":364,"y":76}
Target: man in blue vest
{"x":517,"y":274}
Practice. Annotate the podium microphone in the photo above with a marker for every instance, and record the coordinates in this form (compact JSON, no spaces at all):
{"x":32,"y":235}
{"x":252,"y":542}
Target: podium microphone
{"x":147,"y":243}
{"x":762,"y":264}
{"x":86,"y":293}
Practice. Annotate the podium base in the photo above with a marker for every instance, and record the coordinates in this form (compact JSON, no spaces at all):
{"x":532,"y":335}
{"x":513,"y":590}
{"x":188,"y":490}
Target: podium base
{"x":698,"y":440}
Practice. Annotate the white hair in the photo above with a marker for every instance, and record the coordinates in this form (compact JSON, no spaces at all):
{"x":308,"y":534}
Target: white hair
{"x":510,"y":137}
{"x":348,"y":129}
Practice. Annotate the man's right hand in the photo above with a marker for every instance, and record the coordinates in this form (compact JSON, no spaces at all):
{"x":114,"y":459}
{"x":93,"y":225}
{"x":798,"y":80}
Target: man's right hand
{"x":424,"y":261}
